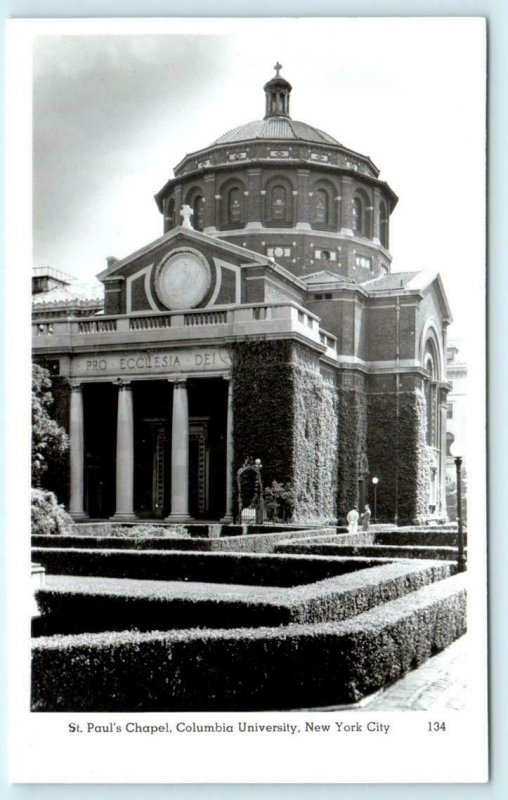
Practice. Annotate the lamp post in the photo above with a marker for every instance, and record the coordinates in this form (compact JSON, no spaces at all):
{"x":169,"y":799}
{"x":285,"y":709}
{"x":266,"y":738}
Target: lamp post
{"x":375,"y":482}
{"x":461,"y":558}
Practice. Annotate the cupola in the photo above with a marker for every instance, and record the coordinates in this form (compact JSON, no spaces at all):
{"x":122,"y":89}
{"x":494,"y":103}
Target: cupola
{"x":277,"y":93}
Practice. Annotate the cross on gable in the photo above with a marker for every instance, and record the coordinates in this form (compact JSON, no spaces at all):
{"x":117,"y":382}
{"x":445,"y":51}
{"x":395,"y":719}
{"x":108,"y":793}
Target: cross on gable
{"x":186,"y":214}
{"x":277,"y":69}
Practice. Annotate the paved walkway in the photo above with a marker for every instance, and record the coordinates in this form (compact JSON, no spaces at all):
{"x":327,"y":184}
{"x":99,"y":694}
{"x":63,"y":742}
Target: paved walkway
{"x":440,"y":684}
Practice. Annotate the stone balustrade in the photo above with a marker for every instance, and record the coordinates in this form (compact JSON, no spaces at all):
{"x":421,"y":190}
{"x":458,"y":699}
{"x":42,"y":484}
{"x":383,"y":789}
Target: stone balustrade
{"x":254,"y":319}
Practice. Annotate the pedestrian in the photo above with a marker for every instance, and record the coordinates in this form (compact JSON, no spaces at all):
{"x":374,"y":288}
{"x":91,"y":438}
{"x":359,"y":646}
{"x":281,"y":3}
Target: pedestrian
{"x":366,"y":518}
{"x":352,"y":520}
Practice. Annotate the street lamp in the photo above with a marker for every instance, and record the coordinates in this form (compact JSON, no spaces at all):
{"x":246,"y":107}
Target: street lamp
{"x":375,"y":482}
{"x":461,"y":559}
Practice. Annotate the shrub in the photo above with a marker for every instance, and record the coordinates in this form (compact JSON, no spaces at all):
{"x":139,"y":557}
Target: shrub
{"x":76,"y":607}
{"x":149,"y":531}
{"x":243,"y":568}
{"x":48,"y":516}
{"x":279,"y":501}
{"x":294,"y":666}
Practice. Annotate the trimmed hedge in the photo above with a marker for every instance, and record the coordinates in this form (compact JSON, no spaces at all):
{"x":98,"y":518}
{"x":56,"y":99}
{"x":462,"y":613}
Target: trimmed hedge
{"x":298,"y":666}
{"x":257,"y":543}
{"x":73,"y":606}
{"x":370,"y":551}
{"x":242,"y":568}
{"x":431,"y":538}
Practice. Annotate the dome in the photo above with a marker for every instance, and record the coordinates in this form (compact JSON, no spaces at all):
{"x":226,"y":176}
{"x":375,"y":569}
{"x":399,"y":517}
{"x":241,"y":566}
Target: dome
{"x":277,"y":123}
{"x":276,"y":127}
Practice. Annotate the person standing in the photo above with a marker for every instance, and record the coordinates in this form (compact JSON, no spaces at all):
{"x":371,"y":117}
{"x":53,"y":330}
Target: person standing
{"x":366,"y":518}
{"x":352,"y":520}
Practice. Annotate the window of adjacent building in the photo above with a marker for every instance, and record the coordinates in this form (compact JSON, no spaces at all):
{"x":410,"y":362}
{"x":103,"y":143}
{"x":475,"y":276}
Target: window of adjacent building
{"x":449,"y":410}
{"x":363,"y":261}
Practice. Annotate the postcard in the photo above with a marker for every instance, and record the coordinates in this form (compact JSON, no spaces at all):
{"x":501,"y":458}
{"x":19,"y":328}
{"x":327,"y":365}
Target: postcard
{"x":247,"y":400}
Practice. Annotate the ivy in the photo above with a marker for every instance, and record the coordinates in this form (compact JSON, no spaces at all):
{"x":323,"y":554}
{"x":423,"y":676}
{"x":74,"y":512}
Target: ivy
{"x":401,"y":462}
{"x":286,"y":415}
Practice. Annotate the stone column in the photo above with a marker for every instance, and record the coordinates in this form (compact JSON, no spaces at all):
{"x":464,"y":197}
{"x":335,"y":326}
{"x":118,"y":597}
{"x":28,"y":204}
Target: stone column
{"x":347,"y":205}
{"x":302,"y":198}
{"x":228,"y":516}
{"x":125,"y":455}
{"x":180,"y":455}
{"x":77,"y":453}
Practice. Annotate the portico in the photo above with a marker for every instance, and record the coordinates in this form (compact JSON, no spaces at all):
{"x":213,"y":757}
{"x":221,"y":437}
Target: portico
{"x":145,"y":444}
{"x":152,"y":455}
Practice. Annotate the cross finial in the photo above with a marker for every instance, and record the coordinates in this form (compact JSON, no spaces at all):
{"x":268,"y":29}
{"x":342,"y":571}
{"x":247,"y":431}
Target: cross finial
{"x":277,"y":69}
{"x":186,"y":213}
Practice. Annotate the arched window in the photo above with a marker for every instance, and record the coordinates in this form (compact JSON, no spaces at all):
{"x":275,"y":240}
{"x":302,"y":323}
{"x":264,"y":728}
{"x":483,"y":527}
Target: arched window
{"x":279,"y":203}
{"x":234,"y":205}
{"x":430,"y":389}
{"x":362,"y":216}
{"x":357,"y":217}
{"x":321,"y":207}
{"x":383,"y":224}
{"x":198,"y":217}
{"x":170,"y":215}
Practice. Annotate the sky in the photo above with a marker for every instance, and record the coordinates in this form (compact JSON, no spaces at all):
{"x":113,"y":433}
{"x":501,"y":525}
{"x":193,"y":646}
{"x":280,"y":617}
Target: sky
{"x":113,"y":114}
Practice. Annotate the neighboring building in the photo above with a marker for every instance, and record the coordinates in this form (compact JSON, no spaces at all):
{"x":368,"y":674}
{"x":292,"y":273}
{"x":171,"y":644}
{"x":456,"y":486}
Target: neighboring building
{"x":456,"y":429}
{"x":265,"y":322}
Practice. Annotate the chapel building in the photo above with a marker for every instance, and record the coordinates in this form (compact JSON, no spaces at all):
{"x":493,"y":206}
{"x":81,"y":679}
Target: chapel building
{"x":265,"y":323}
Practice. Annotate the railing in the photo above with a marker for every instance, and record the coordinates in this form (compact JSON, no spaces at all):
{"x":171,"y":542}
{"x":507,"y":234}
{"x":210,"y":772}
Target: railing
{"x":205,"y":318}
{"x":97,"y":326}
{"x":149,"y":323}
{"x":329,"y":341}
{"x":44,"y":328}
{"x":249,"y":319}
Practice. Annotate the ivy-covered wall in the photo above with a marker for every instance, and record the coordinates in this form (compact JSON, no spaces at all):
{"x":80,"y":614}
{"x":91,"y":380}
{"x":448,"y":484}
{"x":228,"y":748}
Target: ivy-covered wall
{"x":352,"y":441}
{"x":315,"y":444}
{"x":400,"y":461}
{"x":284,"y":413}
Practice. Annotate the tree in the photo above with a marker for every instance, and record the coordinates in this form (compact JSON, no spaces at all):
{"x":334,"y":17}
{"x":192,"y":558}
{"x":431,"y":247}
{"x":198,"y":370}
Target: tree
{"x":49,"y":440}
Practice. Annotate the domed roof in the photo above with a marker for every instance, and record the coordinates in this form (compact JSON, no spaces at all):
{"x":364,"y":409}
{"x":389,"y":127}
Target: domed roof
{"x":277,"y":123}
{"x":276,"y":127}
